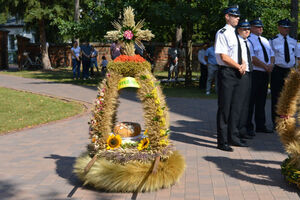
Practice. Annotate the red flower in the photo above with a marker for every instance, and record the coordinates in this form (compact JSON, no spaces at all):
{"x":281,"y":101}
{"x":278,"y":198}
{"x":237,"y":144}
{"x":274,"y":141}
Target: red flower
{"x":125,"y":58}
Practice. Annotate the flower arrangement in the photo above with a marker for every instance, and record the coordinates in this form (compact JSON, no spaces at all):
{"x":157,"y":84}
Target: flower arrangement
{"x":107,"y":161}
{"x":124,"y":58}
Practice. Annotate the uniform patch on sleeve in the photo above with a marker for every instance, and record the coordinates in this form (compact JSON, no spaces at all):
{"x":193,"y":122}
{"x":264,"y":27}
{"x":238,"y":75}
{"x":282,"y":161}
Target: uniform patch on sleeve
{"x":274,"y":37}
{"x":222,"y":30}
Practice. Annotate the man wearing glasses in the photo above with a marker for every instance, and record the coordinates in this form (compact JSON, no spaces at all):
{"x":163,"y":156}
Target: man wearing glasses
{"x":263,"y":61}
{"x":232,"y":68}
{"x":285,"y":51}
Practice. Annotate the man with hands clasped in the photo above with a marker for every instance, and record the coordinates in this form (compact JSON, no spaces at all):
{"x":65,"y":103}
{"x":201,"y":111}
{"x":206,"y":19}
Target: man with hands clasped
{"x":263,"y":62}
{"x":228,"y":50}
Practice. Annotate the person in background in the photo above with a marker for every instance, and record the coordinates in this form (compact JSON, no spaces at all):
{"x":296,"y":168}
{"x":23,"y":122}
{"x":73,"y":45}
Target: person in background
{"x":103,"y":65}
{"x":75,"y":54}
{"x":212,"y":68}
{"x":285,"y":53}
{"x":263,"y":61}
{"x":86,"y":52}
{"x":203,"y":67}
{"x":173,"y":61}
{"x":115,"y":50}
{"x":94,"y":56}
{"x":181,"y":59}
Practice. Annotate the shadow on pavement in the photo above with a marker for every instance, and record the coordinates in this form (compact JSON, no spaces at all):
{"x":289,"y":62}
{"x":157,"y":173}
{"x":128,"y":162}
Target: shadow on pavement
{"x":64,"y":168}
{"x":257,"y":172}
{"x":7,"y":189}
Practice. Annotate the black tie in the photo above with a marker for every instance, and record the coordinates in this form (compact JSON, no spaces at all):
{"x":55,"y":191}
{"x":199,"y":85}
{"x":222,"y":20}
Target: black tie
{"x":286,"y":51}
{"x":239,"y":49}
{"x":249,"y":58}
{"x":264,"y":50}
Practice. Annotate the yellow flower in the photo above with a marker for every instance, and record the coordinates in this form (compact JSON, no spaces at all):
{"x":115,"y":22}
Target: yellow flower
{"x":159,"y":112}
{"x":162,"y":122}
{"x":164,"y":142}
{"x":114,"y":141}
{"x":157,"y":101}
{"x":154,"y":93}
{"x":144,"y":143}
{"x":162,"y":132}
{"x":146,"y":132}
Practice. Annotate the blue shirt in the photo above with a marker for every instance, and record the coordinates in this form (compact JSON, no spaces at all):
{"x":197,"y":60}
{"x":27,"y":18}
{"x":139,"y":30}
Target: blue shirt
{"x":211,"y":56}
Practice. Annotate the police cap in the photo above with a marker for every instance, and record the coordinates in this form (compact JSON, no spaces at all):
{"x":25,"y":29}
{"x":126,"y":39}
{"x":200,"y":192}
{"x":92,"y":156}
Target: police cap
{"x":284,"y":23}
{"x":243,"y":24}
{"x":232,"y":10}
{"x":256,"y":22}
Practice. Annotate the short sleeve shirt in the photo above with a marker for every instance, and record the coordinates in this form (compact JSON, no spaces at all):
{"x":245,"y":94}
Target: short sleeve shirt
{"x":226,"y":43}
{"x":211,"y":57}
{"x":76,"y":51}
{"x":277,"y":44}
{"x":257,"y":49}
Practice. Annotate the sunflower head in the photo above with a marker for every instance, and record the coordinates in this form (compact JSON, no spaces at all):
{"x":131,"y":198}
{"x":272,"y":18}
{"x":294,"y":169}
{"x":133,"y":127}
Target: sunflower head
{"x":114,"y":141}
{"x":144,"y":143}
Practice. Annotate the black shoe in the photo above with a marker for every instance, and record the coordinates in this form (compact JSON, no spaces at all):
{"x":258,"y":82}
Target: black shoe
{"x":224,"y":147}
{"x":264,"y":130}
{"x":246,"y":136}
{"x":243,"y":143}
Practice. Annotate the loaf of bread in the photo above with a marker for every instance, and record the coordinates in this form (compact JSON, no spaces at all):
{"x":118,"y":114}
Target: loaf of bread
{"x":127,"y":129}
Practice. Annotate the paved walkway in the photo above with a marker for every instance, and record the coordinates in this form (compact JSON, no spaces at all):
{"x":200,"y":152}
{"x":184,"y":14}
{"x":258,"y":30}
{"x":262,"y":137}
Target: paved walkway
{"x":37,"y":163}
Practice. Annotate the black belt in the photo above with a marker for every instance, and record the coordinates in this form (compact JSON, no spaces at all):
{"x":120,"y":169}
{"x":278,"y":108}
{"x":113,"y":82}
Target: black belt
{"x":282,"y":68}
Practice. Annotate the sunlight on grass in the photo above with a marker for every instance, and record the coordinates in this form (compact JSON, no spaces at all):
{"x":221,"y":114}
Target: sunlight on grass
{"x":21,"y":109}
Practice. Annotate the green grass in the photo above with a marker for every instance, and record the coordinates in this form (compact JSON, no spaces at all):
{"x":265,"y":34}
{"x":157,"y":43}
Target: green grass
{"x":60,"y":75}
{"x":64,"y":75}
{"x":22,"y":109}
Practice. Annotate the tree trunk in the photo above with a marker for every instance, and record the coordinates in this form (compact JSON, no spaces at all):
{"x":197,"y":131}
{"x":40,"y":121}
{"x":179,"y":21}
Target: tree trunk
{"x":189,"y":57}
{"x":178,"y":34}
{"x":294,"y":15}
{"x":76,"y":15}
{"x":44,"y":47}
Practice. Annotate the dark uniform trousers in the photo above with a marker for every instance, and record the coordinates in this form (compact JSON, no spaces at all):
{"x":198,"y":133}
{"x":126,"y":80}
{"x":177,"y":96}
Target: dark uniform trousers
{"x":277,"y":81}
{"x":203,"y":76}
{"x":232,"y":94}
{"x":258,"y":95}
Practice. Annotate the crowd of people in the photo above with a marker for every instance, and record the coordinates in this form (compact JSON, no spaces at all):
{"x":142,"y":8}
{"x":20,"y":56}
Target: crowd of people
{"x":245,"y":61}
{"x":86,"y":55}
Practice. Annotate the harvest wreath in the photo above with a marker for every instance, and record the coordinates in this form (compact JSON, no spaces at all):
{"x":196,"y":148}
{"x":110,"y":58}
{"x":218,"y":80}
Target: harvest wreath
{"x":142,"y":162}
{"x":289,"y":132}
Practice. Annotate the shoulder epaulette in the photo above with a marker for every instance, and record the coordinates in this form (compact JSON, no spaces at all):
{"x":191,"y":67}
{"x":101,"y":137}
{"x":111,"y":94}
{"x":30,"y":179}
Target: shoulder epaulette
{"x":274,"y":37}
{"x":222,"y":30}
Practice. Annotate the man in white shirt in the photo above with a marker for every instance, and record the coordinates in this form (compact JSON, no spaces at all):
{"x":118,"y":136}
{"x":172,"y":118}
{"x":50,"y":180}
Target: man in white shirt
{"x":286,"y":52}
{"x":263,"y":61}
{"x":231,"y":70}
{"x":203,"y":66}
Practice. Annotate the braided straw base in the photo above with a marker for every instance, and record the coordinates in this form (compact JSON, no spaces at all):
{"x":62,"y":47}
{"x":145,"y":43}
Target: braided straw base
{"x":133,"y":176}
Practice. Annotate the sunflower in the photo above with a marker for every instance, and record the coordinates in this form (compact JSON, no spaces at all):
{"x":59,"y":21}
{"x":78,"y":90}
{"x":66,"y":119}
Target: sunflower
{"x":144,"y":143}
{"x":114,"y":141}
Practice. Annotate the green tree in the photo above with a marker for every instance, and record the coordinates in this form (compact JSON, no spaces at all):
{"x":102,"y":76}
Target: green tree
{"x":38,"y":13}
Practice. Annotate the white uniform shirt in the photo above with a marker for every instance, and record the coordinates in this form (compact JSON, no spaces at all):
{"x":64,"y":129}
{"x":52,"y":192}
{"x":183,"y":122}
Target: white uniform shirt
{"x":201,"y":55}
{"x":244,"y":51}
{"x":226,"y":43}
{"x":277,"y":44}
{"x":257,"y":50}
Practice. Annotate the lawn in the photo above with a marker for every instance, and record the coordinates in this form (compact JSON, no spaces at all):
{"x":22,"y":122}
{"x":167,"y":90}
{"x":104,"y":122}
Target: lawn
{"x":22,"y":109}
{"x":64,"y":75}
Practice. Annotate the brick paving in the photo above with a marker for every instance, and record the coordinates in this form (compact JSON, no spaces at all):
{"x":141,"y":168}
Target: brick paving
{"x":37,"y":163}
